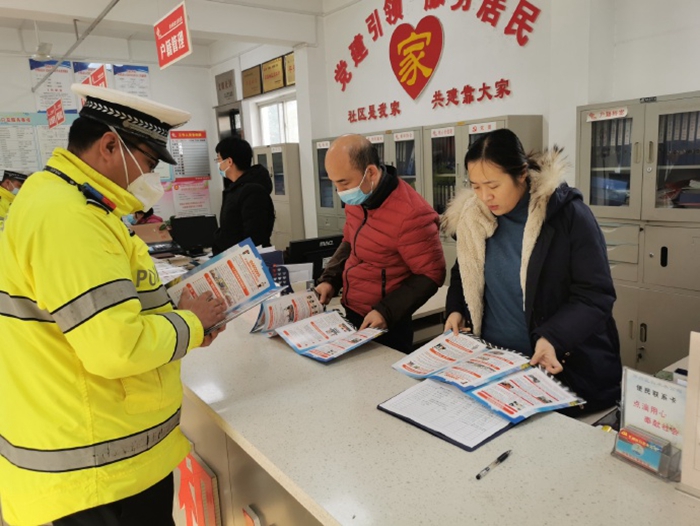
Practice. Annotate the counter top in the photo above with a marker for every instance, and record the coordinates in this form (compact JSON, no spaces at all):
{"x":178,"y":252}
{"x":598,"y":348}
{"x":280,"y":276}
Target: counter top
{"x":315,"y":428}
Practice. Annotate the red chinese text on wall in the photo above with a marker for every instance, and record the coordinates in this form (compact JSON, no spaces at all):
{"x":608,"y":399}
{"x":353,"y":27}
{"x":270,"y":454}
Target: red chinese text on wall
{"x":469,"y":94}
{"x":373,"y":112}
{"x":520,"y":25}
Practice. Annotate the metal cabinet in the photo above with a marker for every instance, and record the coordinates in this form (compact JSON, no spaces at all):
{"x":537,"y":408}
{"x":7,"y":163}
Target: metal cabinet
{"x":641,"y":160}
{"x":399,"y":148}
{"x":282,"y":161}
{"x":329,"y":210}
{"x":403,"y":150}
{"x":639,"y":170}
{"x":444,"y":149}
{"x":654,"y":325}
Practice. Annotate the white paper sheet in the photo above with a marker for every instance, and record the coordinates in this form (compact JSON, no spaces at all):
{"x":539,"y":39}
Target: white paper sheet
{"x":448,"y":411}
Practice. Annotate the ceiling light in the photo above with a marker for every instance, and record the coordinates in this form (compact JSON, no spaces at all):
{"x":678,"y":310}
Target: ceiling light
{"x":43,"y":49}
{"x":43,"y":52}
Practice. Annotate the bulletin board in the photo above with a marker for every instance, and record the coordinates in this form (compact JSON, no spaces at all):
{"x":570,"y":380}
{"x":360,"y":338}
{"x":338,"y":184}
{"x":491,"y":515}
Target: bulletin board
{"x":26,"y":141}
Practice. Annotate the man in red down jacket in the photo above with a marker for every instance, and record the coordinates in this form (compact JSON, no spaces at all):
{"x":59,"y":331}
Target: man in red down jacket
{"x":390,"y":261}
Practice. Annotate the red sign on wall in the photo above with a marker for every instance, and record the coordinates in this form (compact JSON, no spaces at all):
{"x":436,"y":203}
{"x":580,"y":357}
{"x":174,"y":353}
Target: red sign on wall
{"x":415,"y":52}
{"x":172,"y":37}
{"x":99,"y":77}
{"x":55,"y":114}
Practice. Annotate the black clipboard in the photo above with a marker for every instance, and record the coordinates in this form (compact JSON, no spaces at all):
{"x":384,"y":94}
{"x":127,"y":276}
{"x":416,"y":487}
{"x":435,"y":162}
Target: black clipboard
{"x":441,"y":435}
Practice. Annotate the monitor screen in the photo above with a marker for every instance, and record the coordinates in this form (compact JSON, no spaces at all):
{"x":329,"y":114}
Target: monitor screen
{"x":194,"y":233}
{"x":317,"y":251}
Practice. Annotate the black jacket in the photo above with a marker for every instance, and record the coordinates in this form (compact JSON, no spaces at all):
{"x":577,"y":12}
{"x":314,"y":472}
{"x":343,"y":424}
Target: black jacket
{"x":569,"y":296}
{"x":246,"y":211}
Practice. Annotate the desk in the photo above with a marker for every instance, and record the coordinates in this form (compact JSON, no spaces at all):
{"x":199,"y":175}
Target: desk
{"x":304,"y":443}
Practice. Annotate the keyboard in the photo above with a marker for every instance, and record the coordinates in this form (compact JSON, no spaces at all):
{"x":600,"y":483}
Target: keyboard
{"x":161,"y":248}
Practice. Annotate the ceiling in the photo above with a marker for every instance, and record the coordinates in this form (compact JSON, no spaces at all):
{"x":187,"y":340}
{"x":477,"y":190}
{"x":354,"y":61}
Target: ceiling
{"x":107,"y":28}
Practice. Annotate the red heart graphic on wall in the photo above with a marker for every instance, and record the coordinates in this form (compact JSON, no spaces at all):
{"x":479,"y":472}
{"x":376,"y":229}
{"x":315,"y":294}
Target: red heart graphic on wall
{"x":414,"y":54}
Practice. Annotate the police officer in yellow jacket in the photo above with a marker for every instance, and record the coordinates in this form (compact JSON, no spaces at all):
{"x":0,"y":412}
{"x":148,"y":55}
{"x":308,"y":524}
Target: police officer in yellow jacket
{"x":10,"y":183}
{"x":91,"y":345}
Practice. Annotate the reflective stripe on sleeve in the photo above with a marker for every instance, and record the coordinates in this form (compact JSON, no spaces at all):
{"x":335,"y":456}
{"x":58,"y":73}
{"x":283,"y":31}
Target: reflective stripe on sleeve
{"x":92,"y":302}
{"x":182,"y":334}
{"x":153,"y":299}
{"x":22,"y":308}
{"x":59,"y":460}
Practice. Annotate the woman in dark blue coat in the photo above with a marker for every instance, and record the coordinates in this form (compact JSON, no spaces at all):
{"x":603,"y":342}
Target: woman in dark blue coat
{"x":532,"y":272}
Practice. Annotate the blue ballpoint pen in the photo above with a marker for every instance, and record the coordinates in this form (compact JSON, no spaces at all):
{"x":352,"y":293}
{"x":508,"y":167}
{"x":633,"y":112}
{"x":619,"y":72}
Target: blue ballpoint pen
{"x":493,"y":464}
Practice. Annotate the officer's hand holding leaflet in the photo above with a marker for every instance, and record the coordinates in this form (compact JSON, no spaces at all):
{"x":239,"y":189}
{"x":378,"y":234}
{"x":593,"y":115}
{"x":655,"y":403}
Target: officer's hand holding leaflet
{"x":209,"y":309}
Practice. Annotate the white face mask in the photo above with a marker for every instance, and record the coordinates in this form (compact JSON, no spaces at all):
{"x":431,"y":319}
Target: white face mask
{"x":146,"y":187}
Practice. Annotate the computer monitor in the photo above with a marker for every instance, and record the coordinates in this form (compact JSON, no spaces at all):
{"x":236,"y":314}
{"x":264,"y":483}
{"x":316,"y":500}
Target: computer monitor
{"x":317,"y":251}
{"x":193,"y":233}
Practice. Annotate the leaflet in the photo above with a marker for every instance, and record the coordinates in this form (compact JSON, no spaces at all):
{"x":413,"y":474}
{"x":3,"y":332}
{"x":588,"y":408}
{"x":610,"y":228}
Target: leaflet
{"x":277,"y":312}
{"x":482,"y":368}
{"x":501,"y":380}
{"x":524,"y":394}
{"x":238,"y":276}
{"x":318,"y":332}
{"x":331,"y":351}
{"x":439,"y":354}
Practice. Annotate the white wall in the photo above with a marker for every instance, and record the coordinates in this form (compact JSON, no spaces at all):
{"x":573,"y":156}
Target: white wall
{"x":473,"y":52}
{"x":582,"y":51}
{"x":184,"y":86}
{"x":656,"y":48}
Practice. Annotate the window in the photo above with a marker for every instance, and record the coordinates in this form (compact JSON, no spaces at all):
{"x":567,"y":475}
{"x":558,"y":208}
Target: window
{"x":278,"y":122}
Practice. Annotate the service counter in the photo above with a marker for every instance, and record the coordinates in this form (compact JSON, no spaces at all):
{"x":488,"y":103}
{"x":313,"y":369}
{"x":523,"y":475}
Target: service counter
{"x":301,"y":442}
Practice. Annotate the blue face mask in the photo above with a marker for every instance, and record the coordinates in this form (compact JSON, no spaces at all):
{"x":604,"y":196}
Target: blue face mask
{"x":15,"y":190}
{"x":221,"y":172}
{"x":131,"y":219}
{"x":355,"y":196}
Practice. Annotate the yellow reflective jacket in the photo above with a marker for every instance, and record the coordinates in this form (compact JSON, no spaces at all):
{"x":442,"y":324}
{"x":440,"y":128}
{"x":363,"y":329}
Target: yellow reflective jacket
{"x":89,"y":360}
{"x":6,"y":199}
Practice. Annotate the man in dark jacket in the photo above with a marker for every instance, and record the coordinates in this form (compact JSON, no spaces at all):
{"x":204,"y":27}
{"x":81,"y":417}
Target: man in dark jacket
{"x":247,"y":210}
{"x":390,"y":261}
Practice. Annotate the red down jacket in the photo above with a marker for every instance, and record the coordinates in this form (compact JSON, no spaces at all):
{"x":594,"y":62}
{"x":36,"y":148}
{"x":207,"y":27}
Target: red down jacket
{"x":390,"y":243}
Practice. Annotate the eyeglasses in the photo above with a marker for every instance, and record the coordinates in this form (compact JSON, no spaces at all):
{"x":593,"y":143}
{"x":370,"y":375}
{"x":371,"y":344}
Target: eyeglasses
{"x":151,"y":157}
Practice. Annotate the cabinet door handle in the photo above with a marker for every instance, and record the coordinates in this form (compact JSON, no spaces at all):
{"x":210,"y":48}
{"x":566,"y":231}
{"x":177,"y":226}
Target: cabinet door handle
{"x":650,"y":157}
{"x":631,"y":329}
{"x":643,"y":332}
{"x":664,"y":256}
{"x":637,"y":153}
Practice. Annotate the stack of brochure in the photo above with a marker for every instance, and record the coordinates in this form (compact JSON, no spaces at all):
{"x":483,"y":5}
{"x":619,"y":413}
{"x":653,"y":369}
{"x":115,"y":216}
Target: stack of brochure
{"x":301,"y":321}
{"x":238,"y":276}
{"x":472,"y":390}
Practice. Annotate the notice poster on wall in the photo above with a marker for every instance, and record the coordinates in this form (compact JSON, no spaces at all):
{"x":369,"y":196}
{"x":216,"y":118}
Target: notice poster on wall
{"x":93,"y":73}
{"x":57,"y":86}
{"x":165,"y":207}
{"x":26,"y":142}
{"x":191,"y":196}
{"x":18,"y":144}
{"x":190,"y":150}
{"x":51,"y":138}
{"x":132,"y":79}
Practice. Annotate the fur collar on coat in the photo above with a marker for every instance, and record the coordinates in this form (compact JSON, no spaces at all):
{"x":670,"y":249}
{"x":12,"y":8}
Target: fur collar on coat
{"x":473,"y":223}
